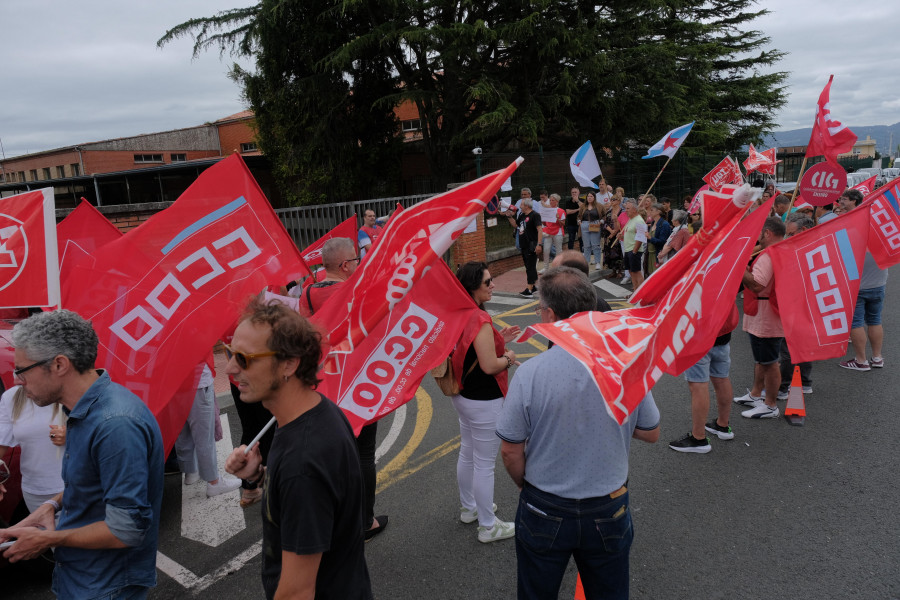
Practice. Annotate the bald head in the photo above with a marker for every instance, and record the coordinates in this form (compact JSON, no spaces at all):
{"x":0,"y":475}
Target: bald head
{"x":571,"y":258}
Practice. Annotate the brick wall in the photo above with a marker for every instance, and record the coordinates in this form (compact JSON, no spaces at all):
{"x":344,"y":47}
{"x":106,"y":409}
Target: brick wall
{"x":469,"y":247}
{"x":124,"y":216}
{"x":232,"y":135}
{"x":498,"y":267}
{"x":110,"y":161}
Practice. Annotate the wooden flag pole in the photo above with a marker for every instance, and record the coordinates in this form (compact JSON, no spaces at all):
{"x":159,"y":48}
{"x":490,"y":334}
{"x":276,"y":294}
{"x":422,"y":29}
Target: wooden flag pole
{"x":799,"y":177}
{"x":657,"y":176}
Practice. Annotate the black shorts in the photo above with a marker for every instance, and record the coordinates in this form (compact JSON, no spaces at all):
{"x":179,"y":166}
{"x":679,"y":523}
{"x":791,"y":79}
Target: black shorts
{"x":765,"y":350}
{"x":633,"y":261}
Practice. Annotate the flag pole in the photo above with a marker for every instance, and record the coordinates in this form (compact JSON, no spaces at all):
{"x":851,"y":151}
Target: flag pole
{"x":799,"y":177}
{"x":657,"y":175}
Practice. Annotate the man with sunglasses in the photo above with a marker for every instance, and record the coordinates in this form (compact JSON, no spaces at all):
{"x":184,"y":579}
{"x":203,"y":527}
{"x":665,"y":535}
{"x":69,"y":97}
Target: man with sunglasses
{"x":106,"y":538}
{"x":312,"y":499}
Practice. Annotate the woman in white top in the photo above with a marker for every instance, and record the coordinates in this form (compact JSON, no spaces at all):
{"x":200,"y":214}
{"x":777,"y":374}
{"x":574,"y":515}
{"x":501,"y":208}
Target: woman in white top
{"x":39,"y":432}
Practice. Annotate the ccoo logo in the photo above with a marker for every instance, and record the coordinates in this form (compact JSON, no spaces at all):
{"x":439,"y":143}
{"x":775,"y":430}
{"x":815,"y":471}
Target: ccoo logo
{"x":13,"y":250}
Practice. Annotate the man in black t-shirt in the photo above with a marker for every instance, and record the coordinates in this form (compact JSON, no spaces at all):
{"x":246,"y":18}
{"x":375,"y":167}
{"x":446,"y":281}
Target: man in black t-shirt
{"x":573,"y":204}
{"x":312,"y":499}
{"x":528,"y":225}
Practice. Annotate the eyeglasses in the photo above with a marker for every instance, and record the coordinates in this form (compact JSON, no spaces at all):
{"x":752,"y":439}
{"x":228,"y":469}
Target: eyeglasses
{"x":355,"y":258}
{"x":487,"y":282}
{"x":4,"y":472}
{"x":243,"y":360}
{"x":19,"y":372}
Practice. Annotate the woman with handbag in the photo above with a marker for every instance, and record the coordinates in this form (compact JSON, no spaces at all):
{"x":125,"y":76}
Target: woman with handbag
{"x":591,"y":215}
{"x":482,"y":361}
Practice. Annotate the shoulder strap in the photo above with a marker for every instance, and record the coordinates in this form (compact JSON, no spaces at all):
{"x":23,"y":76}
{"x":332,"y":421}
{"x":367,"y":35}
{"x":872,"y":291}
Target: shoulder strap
{"x":318,"y":284}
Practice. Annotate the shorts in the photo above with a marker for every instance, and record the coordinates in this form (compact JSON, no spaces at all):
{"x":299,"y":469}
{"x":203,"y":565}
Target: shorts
{"x":868,"y":307}
{"x":633,"y":261}
{"x":715,"y":363}
{"x":765,"y":350}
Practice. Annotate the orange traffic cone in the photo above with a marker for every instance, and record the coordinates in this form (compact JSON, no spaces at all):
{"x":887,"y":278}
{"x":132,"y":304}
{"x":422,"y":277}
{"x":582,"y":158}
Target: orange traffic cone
{"x":795,"y":412}
{"x":579,"y":590}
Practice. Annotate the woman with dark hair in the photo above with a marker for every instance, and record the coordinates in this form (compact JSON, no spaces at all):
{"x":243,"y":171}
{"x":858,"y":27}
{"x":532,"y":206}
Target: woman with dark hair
{"x":480,"y":361}
{"x":591,"y":216}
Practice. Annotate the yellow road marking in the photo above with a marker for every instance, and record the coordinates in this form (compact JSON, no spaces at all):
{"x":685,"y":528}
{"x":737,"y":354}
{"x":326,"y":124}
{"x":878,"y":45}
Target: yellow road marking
{"x":396,"y":469}
{"x":418,"y":464}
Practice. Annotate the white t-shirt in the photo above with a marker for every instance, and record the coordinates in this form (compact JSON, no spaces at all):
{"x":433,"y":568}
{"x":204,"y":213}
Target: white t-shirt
{"x":604,"y":198}
{"x":41,"y":461}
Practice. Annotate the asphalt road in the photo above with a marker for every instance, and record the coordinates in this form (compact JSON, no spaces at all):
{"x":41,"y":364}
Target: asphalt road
{"x":779,"y":512}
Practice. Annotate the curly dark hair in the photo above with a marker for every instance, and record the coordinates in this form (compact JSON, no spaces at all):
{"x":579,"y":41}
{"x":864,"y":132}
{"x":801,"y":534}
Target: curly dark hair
{"x":471,"y":275}
{"x":292,"y":337}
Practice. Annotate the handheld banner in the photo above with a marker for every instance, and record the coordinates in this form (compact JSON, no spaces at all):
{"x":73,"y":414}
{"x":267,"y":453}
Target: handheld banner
{"x":884,"y":224}
{"x":29,"y":267}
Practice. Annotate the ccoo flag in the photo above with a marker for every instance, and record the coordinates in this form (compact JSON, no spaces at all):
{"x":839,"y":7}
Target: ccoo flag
{"x":584,"y":165}
{"x":670,"y":143}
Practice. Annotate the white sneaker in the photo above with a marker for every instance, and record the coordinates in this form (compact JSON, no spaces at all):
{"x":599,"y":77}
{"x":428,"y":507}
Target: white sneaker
{"x":224,"y":486}
{"x":470,"y":516}
{"x":625,"y":280}
{"x":747,"y":399}
{"x":761,"y":411}
{"x":500,"y":531}
{"x":191,"y":478}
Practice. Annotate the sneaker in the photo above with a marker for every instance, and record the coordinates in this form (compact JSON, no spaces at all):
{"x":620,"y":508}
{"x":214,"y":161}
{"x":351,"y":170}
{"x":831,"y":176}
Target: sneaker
{"x":877,"y":362}
{"x":854,"y":365}
{"x":526,"y":293}
{"x":747,"y":399}
{"x":470,"y":516}
{"x":501,"y":530}
{"x":761,"y":411}
{"x":624,"y":280}
{"x":807,"y":389}
{"x":691,"y":444}
{"x":191,"y":478}
{"x":782,"y":394}
{"x":224,"y":486}
{"x":723,"y":433}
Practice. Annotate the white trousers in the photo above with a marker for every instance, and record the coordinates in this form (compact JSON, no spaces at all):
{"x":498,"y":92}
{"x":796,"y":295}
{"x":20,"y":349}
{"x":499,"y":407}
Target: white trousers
{"x":477,"y":455}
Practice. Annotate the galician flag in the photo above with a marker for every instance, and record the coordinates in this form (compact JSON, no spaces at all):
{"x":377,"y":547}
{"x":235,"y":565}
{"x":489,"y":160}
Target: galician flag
{"x":584,"y":166}
{"x":670,"y":143}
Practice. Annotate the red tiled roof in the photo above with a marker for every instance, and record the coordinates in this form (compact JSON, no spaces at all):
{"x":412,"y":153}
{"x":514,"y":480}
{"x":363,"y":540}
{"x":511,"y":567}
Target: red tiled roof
{"x":244,"y":114}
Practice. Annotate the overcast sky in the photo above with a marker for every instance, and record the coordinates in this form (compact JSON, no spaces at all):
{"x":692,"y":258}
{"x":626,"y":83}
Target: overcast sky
{"x":75,"y":72}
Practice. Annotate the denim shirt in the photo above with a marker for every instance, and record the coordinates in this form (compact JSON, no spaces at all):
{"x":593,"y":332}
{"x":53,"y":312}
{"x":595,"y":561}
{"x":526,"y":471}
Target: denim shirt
{"x":113,"y":472}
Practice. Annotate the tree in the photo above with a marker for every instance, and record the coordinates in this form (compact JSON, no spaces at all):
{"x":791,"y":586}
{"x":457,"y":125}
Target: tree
{"x":503,"y":75}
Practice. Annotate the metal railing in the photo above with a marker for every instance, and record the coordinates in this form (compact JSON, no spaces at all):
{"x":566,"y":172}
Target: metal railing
{"x":306,"y":224}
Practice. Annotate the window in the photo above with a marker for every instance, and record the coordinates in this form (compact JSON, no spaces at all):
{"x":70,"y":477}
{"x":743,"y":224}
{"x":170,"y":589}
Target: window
{"x":60,"y":172}
{"x":46,"y":171}
{"x":33,"y":174}
{"x":411,"y":125}
{"x":248,"y":147}
{"x":178,"y":157}
{"x":76,"y":169}
{"x":21,"y":176}
{"x":148,"y":158}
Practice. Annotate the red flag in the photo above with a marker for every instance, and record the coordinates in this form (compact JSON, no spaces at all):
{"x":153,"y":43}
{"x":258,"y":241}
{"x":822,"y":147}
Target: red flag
{"x":770,"y":167}
{"x":720,"y":209}
{"x":884,"y":224}
{"x":723,"y":173}
{"x":627,"y":351}
{"x":81,"y":233}
{"x":385,"y":370}
{"x":161,"y":296}
{"x":867,"y":186}
{"x":829,"y":138}
{"x":29,"y":267}
{"x":312,"y":254}
{"x":816,"y":281}
{"x":764,"y":162}
{"x":412,"y":240}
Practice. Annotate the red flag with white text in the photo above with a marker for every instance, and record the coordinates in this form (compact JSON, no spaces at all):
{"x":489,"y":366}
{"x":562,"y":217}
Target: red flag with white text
{"x":627,"y":351}
{"x":411,"y":241}
{"x":829,"y":138}
{"x":817,"y":275}
{"x":83,"y":231}
{"x":866,"y":187}
{"x":884,"y":224}
{"x":771,"y":166}
{"x":312,"y":254}
{"x":29,"y":262}
{"x":723,"y":173}
{"x":720,"y":209}
{"x":161,"y":296}
{"x":384,"y":371}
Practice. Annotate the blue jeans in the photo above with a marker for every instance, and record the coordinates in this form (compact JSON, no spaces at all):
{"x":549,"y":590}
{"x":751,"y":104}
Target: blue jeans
{"x":596,"y":531}
{"x":868,"y":307}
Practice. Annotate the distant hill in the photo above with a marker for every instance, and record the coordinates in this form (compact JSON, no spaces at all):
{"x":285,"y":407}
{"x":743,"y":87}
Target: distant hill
{"x":879,"y":133}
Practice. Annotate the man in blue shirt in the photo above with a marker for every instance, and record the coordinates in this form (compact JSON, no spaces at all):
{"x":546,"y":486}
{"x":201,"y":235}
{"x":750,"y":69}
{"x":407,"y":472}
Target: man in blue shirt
{"x":108,"y":526}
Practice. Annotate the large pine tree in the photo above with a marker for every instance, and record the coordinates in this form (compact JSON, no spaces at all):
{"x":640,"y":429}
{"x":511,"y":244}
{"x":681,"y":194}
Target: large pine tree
{"x":510,"y":74}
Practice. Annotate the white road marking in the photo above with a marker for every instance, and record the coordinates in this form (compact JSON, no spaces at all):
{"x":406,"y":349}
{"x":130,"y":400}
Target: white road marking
{"x":189,"y":581}
{"x":212,"y":521}
{"x":392,"y":434}
{"x":611,"y":288}
{"x":508,"y":301}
